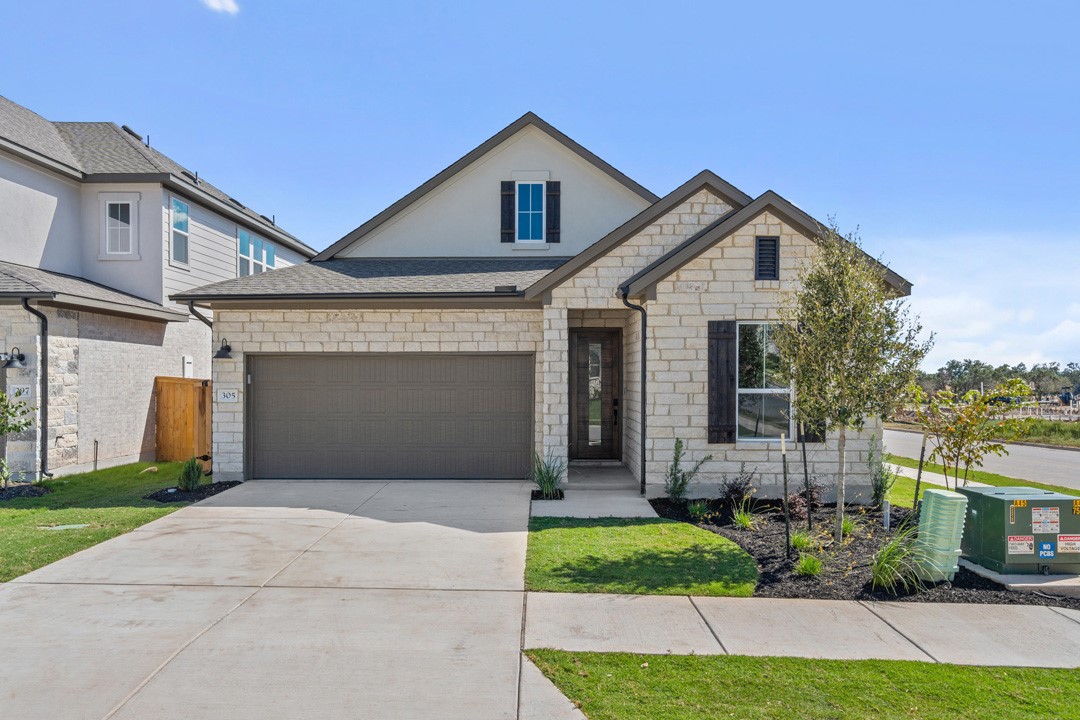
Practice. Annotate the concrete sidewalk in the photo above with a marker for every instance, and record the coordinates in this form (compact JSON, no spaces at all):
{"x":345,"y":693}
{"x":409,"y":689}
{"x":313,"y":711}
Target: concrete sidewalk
{"x":1009,"y":635}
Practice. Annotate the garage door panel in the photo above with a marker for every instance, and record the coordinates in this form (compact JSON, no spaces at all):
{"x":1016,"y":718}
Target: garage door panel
{"x":391,"y":416}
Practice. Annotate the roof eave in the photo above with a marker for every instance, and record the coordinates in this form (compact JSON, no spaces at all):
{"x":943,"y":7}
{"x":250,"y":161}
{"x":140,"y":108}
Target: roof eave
{"x":48,"y":163}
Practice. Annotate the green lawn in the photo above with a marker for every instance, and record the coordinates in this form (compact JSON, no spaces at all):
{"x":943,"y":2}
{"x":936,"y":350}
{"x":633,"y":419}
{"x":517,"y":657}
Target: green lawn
{"x":638,"y":556}
{"x":108,"y":501}
{"x":616,"y":686}
{"x":902,"y":493}
{"x":981,"y":476}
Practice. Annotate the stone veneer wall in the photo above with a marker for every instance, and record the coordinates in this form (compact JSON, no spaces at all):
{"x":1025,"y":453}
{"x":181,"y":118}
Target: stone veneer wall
{"x":359,"y":331}
{"x":101,"y":383}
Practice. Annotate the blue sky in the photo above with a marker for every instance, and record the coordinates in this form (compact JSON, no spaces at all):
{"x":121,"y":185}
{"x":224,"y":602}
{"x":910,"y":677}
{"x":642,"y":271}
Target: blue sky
{"x":946,"y":132}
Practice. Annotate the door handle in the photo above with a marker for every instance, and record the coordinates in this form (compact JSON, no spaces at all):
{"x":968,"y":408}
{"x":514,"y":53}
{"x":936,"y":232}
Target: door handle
{"x":615,"y":413}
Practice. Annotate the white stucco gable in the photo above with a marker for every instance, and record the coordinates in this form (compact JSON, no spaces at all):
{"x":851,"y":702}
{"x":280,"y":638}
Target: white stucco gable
{"x":458,"y":214}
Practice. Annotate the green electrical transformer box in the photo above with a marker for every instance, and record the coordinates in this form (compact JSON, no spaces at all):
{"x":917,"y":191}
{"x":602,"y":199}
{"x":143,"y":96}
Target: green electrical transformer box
{"x":1022,"y":530}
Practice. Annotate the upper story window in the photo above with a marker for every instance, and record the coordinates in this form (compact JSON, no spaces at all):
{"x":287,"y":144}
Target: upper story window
{"x":178,"y":250}
{"x":119,"y":226}
{"x":256,"y":254}
{"x":763,"y":398}
{"x":767,"y":259}
{"x":530,"y":212}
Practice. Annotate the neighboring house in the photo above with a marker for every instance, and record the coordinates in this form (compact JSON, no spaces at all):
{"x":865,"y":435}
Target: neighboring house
{"x":96,"y":230}
{"x":499,"y":310}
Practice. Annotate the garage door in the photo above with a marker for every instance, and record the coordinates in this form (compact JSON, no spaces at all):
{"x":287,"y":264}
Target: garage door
{"x":390,"y":416}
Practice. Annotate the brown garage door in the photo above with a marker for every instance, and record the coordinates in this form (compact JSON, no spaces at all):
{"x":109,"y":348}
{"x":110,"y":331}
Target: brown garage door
{"x":390,"y":416}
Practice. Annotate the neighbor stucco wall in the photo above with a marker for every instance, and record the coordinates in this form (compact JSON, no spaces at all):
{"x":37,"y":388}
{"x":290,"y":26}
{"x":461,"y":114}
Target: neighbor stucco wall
{"x":462,"y":216}
{"x":39,"y":217}
{"x":358,"y":331}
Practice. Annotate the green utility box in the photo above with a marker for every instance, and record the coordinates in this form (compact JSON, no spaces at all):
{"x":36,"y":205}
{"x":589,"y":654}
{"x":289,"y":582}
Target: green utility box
{"x":1022,"y":530}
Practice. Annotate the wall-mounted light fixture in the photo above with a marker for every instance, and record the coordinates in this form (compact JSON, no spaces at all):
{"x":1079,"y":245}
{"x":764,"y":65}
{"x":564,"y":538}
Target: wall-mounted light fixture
{"x":13,"y":359}
{"x":223,"y":351}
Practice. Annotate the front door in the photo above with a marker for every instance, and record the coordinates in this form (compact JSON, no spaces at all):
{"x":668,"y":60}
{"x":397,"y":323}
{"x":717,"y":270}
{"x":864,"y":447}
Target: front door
{"x":595,"y":415}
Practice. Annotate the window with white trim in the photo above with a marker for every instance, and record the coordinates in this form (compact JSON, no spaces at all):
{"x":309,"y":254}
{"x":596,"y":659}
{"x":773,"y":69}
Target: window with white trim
{"x":256,"y":255}
{"x":118,"y":240}
{"x":178,"y":250}
{"x":530,"y":212}
{"x":763,"y":400}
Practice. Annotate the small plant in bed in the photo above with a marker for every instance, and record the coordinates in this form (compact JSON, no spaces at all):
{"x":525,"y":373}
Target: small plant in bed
{"x":678,"y":479}
{"x":742,"y":516}
{"x":189,"y":487}
{"x":808,"y":565}
{"x":547,"y":473}
{"x":893,"y":567}
{"x":698,"y":509}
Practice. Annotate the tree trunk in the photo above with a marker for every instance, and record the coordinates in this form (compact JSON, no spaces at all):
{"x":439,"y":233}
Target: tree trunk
{"x":841,"y":445}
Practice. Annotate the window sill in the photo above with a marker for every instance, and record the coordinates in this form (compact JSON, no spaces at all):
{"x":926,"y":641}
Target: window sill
{"x":132,"y":256}
{"x":766,"y":284}
{"x":186,"y":267}
{"x":532,"y":246}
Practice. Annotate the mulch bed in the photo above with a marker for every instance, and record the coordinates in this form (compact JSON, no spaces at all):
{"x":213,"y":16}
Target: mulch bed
{"x":174,"y":495}
{"x":538,"y":495}
{"x":846,"y":571}
{"x":22,"y":490}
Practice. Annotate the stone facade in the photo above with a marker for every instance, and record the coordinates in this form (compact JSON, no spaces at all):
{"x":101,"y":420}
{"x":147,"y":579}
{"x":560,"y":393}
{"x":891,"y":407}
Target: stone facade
{"x":101,"y":384}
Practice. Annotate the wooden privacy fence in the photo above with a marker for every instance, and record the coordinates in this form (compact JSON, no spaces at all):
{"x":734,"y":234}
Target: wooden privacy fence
{"x":183,"y":419}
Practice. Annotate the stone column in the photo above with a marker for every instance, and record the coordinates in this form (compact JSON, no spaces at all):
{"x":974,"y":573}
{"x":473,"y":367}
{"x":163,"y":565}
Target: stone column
{"x":556,"y":383}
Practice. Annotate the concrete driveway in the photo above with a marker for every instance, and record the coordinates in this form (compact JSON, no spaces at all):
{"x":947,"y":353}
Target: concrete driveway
{"x":282,"y":600}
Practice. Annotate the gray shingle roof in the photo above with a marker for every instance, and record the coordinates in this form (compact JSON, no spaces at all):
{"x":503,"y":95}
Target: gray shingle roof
{"x":383,"y":276}
{"x":20,"y":280}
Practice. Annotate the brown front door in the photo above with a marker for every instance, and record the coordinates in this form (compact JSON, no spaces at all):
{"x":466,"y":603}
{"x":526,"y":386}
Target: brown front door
{"x":595,"y":387}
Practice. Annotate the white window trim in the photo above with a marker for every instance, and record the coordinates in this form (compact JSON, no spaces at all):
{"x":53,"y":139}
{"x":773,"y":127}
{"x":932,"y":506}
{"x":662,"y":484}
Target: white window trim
{"x":104,"y":200}
{"x":739,"y":391}
{"x":172,"y":229}
{"x":543,"y":212}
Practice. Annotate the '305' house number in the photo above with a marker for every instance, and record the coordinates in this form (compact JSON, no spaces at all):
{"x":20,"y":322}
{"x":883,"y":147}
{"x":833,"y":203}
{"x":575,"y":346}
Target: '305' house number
{"x":228,"y":395}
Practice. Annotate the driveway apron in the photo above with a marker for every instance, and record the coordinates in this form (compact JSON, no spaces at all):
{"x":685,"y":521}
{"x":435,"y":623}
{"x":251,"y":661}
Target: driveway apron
{"x":284,"y":600}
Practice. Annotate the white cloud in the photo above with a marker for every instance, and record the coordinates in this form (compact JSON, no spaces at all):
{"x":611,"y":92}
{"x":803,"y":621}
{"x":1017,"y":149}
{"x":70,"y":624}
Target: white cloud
{"x":222,"y":6}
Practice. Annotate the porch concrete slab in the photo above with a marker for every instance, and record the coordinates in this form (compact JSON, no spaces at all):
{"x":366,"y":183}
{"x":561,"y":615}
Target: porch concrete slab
{"x":369,"y":553}
{"x":586,"y":622}
{"x":540,"y":699}
{"x":329,"y":653}
{"x":970,"y":634}
{"x":74,"y":652}
{"x":189,"y":552}
{"x":823,"y":629}
{"x":257,"y":500}
{"x":595,"y":503}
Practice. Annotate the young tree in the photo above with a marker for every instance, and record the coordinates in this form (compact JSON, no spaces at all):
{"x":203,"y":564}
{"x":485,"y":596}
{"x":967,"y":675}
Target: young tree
{"x":850,"y":344}
{"x":965,"y":429}
{"x":14,"y":418}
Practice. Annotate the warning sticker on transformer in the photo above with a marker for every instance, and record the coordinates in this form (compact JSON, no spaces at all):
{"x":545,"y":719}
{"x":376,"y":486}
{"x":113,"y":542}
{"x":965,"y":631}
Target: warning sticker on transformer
{"x":1068,"y":543}
{"x":1045,"y":520}
{"x":1021,"y":544}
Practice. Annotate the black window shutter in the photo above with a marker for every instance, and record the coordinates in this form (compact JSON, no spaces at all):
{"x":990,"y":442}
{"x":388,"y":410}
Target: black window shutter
{"x":551,"y":233}
{"x":723,"y":356}
{"x":768,"y":258}
{"x":812,"y":433}
{"x":508,"y":211}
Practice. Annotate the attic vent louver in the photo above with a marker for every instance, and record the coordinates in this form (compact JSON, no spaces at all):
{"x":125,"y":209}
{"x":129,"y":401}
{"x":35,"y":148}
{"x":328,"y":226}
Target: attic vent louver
{"x":194,"y":177}
{"x":131,"y":132}
{"x":236,"y":202}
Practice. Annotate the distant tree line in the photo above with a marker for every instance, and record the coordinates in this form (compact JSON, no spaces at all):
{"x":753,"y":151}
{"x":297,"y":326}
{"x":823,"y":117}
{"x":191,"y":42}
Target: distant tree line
{"x":963,"y":375}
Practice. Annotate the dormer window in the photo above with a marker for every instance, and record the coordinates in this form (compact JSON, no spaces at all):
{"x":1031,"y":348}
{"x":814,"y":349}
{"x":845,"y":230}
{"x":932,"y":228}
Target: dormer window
{"x":530,"y":212}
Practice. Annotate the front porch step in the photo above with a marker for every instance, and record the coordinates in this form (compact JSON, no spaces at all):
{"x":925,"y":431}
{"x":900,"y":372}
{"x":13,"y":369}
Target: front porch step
{"x":600,"y":477}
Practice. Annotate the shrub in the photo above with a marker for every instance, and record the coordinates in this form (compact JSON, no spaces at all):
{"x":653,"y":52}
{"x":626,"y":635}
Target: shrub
{"x":734,"y":491}
{"x":743,"y":514}
{"x":802,"y":540}
{"x":882,"y":474}
{"x":547,"y":474}
{"x":698,"y":509}
{"x":190,"y":475}
{"x":808,"y":565}
{"x":678,"y":480}
{"x":893,"y":566}
{"x":800,"y":503}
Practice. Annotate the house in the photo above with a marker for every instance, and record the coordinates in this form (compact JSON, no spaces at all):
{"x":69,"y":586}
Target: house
{"x":97,"y":229}
{"x":526,"y":298}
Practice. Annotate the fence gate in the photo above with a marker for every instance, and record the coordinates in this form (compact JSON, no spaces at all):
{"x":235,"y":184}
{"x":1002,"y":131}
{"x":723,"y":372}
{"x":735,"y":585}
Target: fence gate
{"x":183,"y":419}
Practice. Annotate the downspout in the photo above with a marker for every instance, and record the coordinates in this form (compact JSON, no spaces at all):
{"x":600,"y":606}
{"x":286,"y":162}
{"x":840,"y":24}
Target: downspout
{"x":196,"y":313}
{"x":43,"y":379}
{"x":644,"y":377}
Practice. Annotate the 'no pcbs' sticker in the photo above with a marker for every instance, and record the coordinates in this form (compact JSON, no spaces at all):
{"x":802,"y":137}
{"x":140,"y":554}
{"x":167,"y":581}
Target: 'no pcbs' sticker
{"x":1021,"y":544}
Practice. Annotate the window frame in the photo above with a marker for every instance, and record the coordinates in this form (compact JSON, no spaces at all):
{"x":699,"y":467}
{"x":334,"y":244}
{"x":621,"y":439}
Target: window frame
{"x":518,"y":211}
{"x":173,"y":231}
{"x":105,"y":201}
{"x":789,"y":391}
{"x":262,"y":263}
{"x":757,"y":258}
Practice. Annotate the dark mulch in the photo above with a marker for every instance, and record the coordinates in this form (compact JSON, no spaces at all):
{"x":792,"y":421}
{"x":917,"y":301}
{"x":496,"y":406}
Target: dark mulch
{"x":538,"y":495}
{"x":22,"y":490}
{"x":846,"y":572}
{"x":174,"y":495}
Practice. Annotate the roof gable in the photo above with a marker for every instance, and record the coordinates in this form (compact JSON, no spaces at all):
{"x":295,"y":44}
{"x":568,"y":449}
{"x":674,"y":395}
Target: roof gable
{"x":529,"y":120}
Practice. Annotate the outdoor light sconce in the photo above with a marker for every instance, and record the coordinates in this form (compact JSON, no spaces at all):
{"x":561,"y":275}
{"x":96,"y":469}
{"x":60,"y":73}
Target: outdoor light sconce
{"x":14,"y":359}
{"x":223,"y":351}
